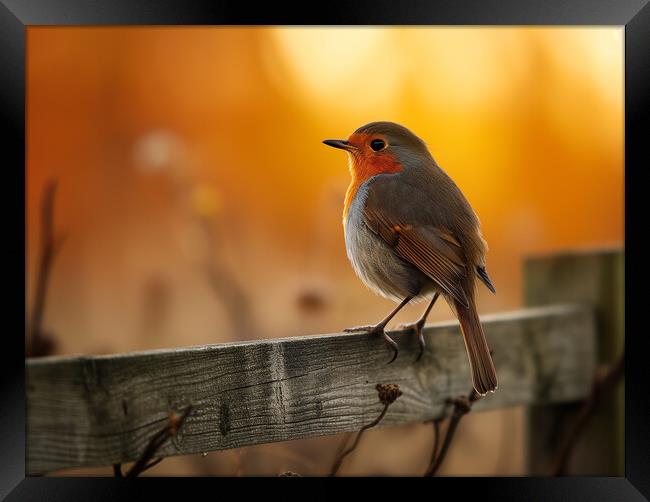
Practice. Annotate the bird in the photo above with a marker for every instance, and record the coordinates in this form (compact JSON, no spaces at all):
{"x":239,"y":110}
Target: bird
{"x":410,"y":235}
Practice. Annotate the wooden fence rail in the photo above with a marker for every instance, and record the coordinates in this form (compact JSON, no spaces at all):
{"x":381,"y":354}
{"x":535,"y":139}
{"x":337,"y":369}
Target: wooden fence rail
{"x":101,"y":410}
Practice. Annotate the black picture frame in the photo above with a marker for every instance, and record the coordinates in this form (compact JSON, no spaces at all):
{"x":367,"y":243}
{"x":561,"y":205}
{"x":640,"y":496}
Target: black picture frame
{"x":17,"y":15}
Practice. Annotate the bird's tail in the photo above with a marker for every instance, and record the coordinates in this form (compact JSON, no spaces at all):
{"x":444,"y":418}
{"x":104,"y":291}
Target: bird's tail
{"x":484,"y":375}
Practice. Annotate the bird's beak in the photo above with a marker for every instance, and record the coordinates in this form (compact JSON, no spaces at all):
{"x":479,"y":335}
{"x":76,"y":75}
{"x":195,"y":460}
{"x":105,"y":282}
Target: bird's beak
{"x":340,"y":143}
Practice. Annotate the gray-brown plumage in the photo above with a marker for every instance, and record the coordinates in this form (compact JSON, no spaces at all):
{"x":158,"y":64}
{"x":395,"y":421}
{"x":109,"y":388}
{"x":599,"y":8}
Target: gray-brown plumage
{"x":410,"y":233}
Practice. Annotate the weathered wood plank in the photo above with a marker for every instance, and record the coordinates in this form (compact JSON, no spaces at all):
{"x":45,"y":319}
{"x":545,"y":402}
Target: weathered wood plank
{"x":90,"y":411}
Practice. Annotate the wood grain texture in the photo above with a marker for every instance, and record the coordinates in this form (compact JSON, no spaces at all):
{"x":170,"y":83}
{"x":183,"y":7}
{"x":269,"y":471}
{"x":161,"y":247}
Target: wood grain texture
{"x":93,"y":411}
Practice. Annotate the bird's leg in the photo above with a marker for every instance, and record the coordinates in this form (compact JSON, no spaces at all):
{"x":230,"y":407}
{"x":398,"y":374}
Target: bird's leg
{"x":379,"y":328}
{"x":419,"y":325}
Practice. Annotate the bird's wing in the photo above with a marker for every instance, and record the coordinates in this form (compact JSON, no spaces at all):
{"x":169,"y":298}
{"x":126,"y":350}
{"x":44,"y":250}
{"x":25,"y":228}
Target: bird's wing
{"x":414,"y":237}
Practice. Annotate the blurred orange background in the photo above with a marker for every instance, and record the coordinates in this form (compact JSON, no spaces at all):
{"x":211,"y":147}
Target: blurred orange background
{"x":200,"y":205}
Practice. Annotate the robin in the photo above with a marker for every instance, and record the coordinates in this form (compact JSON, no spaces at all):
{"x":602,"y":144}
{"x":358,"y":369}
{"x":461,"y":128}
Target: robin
{"x":411,"y":234}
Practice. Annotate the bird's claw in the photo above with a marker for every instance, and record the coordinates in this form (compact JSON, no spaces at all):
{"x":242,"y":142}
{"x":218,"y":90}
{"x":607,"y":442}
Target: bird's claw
{"x":393,"y":345}
{"x":377,"y":330}
{"x":417,"y":327}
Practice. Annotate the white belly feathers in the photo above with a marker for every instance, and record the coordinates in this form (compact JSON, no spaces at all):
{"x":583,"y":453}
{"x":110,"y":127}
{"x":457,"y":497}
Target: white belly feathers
{"x":373,"y":260}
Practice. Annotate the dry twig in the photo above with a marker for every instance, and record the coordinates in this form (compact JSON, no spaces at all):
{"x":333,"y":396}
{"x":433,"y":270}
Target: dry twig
{"x":388,"y":393}
{"x":225,"y":285}
{"x":40,"y":344}
{"x":462,"y":406}
{"x":436,"y":439}
{"x":145,"y":461}
{"x":601,"y":385}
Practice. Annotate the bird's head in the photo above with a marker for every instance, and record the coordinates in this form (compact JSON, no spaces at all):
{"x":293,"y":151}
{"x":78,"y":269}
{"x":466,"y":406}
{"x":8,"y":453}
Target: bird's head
{"x":382,"y":147}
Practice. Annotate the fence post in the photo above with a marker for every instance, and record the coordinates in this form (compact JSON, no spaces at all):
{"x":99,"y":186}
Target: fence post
{"x":594,"y":277}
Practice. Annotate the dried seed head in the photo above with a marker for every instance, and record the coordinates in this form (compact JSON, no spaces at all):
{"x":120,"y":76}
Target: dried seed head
{"x":289,"y":474}
{"x":388,"y":392}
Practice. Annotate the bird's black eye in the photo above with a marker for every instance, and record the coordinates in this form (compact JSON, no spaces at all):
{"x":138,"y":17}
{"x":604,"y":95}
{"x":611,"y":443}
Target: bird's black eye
{"x":377,"y":144}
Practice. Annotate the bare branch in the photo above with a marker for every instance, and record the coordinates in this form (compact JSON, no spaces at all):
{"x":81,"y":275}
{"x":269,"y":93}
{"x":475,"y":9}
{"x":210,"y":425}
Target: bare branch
{"x":462,"y":406}
{"x":38,"y":343}
{"x":436,"y":439}
{"x":388,"y":393}
{"x":145,"y":462}
{"x":602,"y":384}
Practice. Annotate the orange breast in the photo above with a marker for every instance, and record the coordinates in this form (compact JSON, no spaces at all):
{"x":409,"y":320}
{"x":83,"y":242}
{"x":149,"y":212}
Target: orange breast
{"x":352,"y":190}
{"x":363,"y":168}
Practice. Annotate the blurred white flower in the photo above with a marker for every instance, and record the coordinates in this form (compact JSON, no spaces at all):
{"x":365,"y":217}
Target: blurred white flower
{"x":157,"y":151}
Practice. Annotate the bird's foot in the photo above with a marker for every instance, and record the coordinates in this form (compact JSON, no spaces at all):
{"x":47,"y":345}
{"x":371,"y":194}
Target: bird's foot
{"x":377,"y":329}
{"x":417,"y":328}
